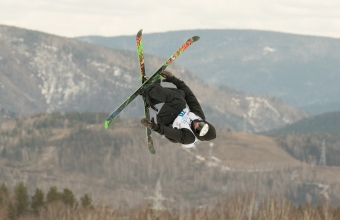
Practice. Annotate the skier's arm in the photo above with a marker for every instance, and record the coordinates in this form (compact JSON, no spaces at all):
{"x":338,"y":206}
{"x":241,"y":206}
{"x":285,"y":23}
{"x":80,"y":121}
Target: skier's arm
{"x":183,"y":136}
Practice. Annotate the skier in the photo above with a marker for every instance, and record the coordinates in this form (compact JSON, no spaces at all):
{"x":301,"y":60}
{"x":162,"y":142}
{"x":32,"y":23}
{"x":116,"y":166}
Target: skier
{"x":177,"y":122}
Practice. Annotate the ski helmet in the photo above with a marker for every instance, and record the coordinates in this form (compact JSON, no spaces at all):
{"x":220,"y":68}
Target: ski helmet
{"x":204,"y":131}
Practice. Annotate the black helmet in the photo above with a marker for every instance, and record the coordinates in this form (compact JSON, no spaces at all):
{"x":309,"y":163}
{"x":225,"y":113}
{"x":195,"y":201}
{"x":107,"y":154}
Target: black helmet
{"x":203,"y":130}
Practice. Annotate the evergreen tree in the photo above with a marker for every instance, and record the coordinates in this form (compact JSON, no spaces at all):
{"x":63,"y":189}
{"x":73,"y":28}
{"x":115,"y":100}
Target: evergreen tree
{"x":21,"y":199}
{"x":85,"y":201}
{"x":3,"y":194}
{"x":68,"y":197}
{"x":53,"y":194}
{"x":37,"y":201}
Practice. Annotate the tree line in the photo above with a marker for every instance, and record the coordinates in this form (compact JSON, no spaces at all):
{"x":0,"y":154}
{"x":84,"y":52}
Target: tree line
{"x":17,"y":202}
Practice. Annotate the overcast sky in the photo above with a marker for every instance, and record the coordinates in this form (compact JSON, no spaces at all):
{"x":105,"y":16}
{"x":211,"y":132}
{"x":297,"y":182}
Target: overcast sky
{"x":71,"y":18}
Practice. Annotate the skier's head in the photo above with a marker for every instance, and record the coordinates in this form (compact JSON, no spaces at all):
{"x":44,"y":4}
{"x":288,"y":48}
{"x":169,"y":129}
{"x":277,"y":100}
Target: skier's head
{"x":203,"y":130}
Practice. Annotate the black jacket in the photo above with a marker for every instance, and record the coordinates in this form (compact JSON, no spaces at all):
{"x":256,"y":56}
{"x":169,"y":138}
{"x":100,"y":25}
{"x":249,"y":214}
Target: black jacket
{"x":183,"y":136}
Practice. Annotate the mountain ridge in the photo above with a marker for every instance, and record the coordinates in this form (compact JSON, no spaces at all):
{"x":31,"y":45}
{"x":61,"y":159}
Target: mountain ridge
{"x":326,"y":122}
{"x":46,"y":73}
{"x":299,"y":69}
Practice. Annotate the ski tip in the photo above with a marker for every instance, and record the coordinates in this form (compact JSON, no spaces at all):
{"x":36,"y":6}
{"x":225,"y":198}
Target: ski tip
{"x":195,"y":38}
{"x":151,"y":148}
{"x":152,"y":151}
{"x":106,"y":124}
{"x":139,"y":33}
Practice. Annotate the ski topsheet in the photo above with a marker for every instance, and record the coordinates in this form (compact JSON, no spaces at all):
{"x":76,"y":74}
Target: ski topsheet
{"x":151,"y":80}
{"x":139,"y":44}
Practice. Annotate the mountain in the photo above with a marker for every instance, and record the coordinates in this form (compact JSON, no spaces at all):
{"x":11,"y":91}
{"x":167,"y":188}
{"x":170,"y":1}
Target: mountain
{"x":73,"y":151}
{"x":326,"y":122}
{"x":46,"y":73}
{"x":310,"y":138}
{"x":300,"y":70}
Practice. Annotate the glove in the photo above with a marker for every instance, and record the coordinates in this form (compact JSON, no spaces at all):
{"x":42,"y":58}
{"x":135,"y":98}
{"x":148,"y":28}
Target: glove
{"x":150,"y":124}
{"x":168,"y":76}
{"x":155,"y":126}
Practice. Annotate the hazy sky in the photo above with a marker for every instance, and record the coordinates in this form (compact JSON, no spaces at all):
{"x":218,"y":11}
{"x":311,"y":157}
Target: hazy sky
{"x":71,"y":18}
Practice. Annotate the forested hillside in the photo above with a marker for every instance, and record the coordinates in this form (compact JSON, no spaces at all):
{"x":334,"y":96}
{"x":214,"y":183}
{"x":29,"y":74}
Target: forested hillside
{"x":73,"y":150}
{"x":62,"y":204}
{"x":306,"y":139}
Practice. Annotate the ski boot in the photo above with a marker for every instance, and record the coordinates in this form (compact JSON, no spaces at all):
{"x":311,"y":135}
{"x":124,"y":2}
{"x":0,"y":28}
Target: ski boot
{"x":167,"y":74}
{"x":157,"y":81}
{"x":149,"y":104}
{"x":147,"y":100}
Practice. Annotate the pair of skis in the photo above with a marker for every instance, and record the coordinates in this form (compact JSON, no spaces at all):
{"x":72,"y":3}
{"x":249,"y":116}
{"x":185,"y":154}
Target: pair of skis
{"x":146,"y":83}
{"x":147,"y":103}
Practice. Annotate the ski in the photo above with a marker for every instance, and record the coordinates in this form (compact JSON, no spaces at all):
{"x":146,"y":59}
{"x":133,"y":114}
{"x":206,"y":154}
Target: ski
{"x":139,"y":43}
{"x":151,"y":80}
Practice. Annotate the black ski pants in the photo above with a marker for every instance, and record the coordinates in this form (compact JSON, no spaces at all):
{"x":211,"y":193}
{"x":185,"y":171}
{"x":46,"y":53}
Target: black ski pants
{"x":173,"y":99}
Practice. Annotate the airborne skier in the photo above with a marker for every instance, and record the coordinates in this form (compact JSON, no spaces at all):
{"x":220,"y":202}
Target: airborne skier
{"x":177,"y":122}
{"x":150,"y":80}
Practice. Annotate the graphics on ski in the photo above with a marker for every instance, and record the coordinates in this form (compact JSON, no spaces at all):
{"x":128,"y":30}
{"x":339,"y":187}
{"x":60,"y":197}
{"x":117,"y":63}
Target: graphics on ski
{"x":154,"y":78}
{"x":139,"y":43}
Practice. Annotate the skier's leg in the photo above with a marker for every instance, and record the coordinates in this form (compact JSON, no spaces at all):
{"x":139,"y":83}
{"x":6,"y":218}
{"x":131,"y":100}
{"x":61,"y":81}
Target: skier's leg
{"x":155,"y":101}
{"x":173,"y":100}
{"x":166,"y":95}
{"x":168,"y":113}
{"x":181,"y":92}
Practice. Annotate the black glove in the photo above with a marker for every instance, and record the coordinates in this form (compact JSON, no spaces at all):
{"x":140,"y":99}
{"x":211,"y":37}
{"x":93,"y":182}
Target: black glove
{"x":167,"y":76}
{"x":149,"y":124}
{"x":155,"y":126}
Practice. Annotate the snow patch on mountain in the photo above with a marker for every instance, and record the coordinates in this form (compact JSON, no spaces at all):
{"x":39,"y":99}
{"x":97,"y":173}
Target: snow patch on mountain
{"x":236,"y":101}
{"x":267,"y":50}
{"x":61,"y":79}
{"x":116,"y":71}
{"x":257,"y":104}
{"x":101,"y":67}
{"x":261,"y":112}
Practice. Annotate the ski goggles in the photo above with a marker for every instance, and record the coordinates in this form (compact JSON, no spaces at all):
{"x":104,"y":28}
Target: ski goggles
{"x":201,"y":129}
